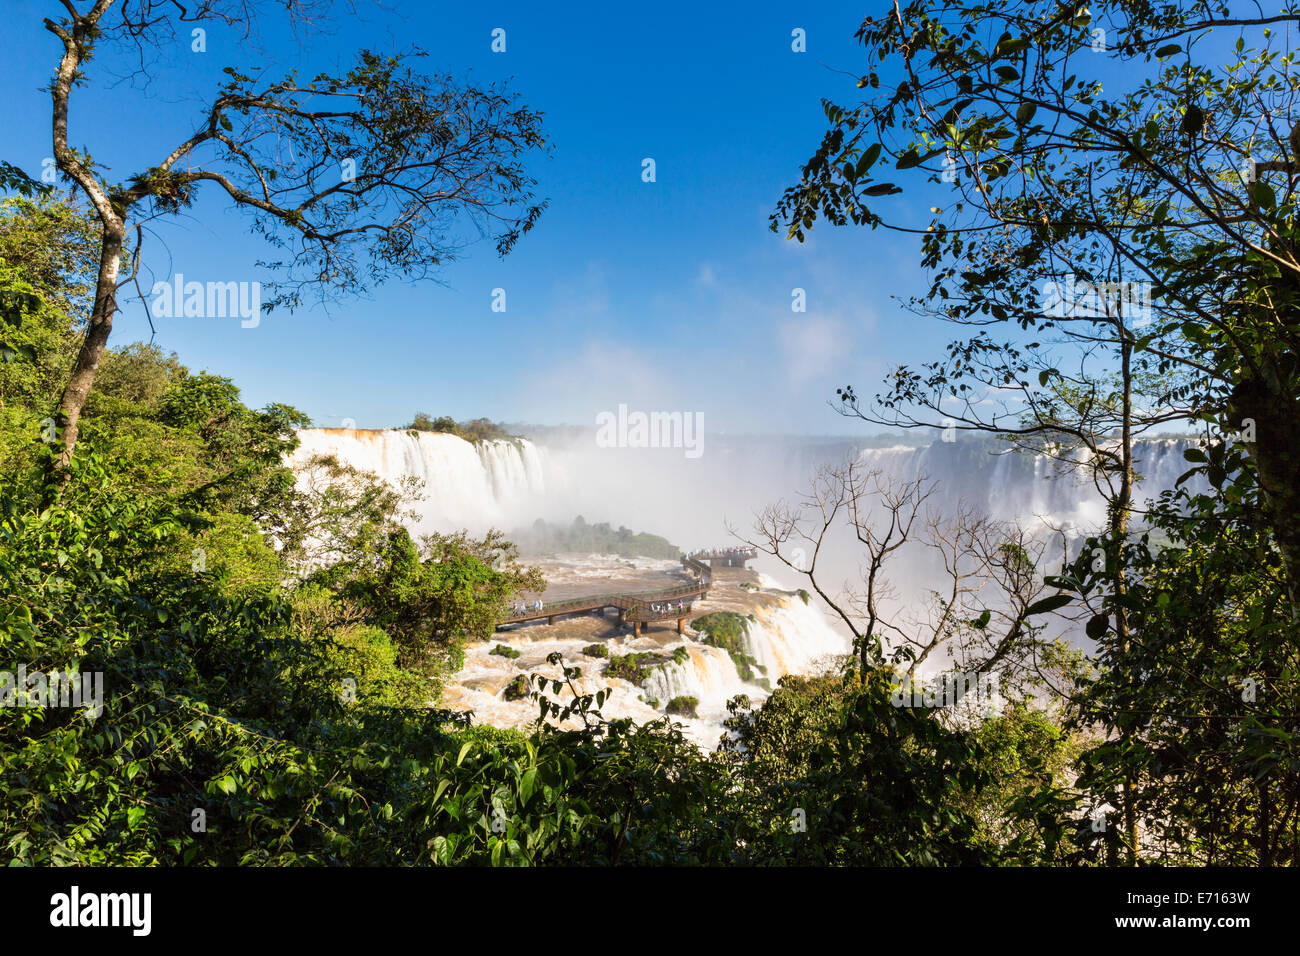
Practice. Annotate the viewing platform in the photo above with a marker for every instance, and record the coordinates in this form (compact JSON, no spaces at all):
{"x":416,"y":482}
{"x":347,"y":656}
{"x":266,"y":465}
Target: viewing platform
{"x":640,"y":608}
{"x":726,"y":557}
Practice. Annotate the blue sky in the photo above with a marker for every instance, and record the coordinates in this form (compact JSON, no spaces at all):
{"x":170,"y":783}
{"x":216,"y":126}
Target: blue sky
{"x":664,"y":296}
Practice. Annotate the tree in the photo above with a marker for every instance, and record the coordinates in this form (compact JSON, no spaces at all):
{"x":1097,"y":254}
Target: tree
{"x":46,"y":275}
{"x":386,"y":165}
{"x":983,"y":584}
{"x":1179,"y":188}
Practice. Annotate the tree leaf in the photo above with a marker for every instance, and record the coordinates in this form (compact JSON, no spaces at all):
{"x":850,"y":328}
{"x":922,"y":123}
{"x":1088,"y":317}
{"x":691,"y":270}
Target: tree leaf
{"x":908,"y":160}
{"x":1047,"y":604}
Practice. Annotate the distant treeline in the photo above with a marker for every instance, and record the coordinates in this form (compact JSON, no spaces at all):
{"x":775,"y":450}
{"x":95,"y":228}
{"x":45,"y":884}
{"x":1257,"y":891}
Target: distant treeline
{"x":474,"y":430}
{"x":544,"y":538}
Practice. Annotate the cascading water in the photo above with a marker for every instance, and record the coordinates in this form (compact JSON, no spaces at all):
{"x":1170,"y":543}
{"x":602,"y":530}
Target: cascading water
{"x":471,"y":486}
{"x":792,"y":638}
{"x":1012,"y":486}
{"x":709,"y":675}
{"x":508,"y":484}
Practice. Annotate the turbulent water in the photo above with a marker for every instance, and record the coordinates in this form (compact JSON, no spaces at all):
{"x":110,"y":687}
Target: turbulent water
{"x":785,"y":636}
{"x":509,"y":484}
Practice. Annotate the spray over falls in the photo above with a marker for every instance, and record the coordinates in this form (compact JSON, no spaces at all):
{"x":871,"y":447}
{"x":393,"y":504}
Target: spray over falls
{"x":511,"y":483}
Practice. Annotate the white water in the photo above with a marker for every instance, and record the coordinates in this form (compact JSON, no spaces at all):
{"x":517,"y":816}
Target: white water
{"x":507,"y":485}
{"x":1020,"y":487}
{"x":787,"y":637}
{"x":491,"y":484}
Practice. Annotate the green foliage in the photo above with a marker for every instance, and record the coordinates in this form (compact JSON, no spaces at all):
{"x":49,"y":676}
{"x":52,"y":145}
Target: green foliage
{"x":1027,"y":805}
{"x":46,"y":275}
{"x":517,"y":689}
{"x":601,"y":538}
{"x":634,"y":667}
{"x":874,"y":784}
{"x":475,"y":430}
{"x":501,"y":650}
{"x":682,"y":706}
{"x":433,"y":597}
{"x":13,"y":179}
{"x":725,"y":629}
{"x":596,"y":650}
{"x":1207,"y":752}
{"x":728,"y":630}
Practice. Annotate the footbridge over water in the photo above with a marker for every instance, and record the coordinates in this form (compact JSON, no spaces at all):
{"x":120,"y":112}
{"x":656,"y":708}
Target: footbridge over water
{"x":640,"y":608}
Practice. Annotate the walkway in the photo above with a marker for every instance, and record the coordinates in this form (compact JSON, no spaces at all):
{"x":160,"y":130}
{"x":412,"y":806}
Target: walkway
{"x":639,"y":607}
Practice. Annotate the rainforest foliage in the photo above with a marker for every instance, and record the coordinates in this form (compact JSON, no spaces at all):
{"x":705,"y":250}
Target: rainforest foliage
{"x":268,"y":699}
{"x":272,"y":649}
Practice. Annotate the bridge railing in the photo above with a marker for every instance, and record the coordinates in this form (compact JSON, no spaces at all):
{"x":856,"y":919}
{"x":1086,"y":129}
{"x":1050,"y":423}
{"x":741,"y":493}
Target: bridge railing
{"x":635,"y":604}
{"x":647,"y":613}
{"x":629,"y":600}
{"x":746,"y":553}
{"x":705,"y":571}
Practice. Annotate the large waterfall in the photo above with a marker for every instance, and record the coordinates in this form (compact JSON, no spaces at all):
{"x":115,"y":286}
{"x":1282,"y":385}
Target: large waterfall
{"x":473,"y":486}
{"x":1008,"y":485}
{"x":509,"y":484}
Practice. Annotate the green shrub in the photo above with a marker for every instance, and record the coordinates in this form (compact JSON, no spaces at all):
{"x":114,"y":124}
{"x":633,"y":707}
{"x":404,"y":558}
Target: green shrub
{"x":473,"y":431}
{"x":634,"y":667}
{"x":543,"y":538}
{"x":501,"y":650}
{"x":682,"y":706}
{"x":517,"y":689}
{"x":725,"y":629}
{"x":596,"y":650}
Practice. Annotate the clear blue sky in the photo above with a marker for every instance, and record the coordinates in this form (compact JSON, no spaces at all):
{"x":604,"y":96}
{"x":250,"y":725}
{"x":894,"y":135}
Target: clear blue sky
{"x":665,"y":296}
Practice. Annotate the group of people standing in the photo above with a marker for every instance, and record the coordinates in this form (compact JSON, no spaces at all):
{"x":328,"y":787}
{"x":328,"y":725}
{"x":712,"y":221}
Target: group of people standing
{"x":522,"y":608}
{"x":669,"y":606}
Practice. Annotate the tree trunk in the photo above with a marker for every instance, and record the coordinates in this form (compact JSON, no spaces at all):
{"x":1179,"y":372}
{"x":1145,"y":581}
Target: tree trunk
{"x":91,"y":352}
{"x":1121,"y":508}
{"x":1272,"y":407}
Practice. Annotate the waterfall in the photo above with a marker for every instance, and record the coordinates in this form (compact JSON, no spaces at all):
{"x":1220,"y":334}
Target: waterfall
{"x":474,"y":486}
{"x":709,"y":676}
{"x":786,"y":637}
{"x":792,"y":638}
{"x":508,"y":484}
{"x":1005,"y":484}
